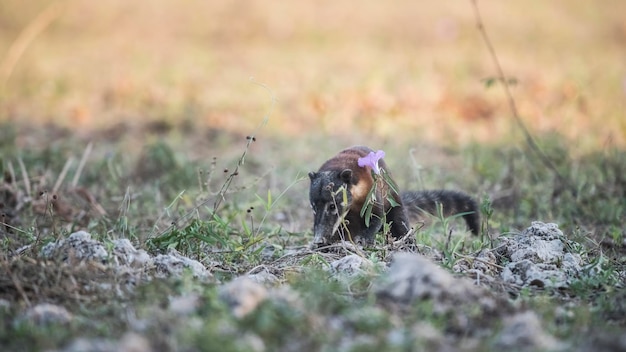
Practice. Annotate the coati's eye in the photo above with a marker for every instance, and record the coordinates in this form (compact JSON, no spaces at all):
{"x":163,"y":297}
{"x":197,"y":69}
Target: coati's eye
{"x":332,"y":207}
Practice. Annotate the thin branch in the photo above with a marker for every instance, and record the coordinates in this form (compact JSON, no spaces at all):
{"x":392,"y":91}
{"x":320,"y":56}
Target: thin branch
{"x":26,"y":37}
{"x":81,"y":164}
{"x":502,"y":78}
{"x":220,"y":196}
{"x":62,"y":175}
{"x":250,"y":140}
{"x":16,"y":282}
{"x":25,"y":177}
{"x":479,"y":260}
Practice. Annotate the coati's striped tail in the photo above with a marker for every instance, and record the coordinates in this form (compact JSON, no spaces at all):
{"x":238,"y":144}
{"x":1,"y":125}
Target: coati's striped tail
{"x":418,"y":202}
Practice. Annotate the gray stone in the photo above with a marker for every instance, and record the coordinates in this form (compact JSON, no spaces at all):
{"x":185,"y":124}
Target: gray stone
{"x":469,"y":309}
{"x":264,"y":277}
{"x":243,"y":295}
{"x":126,"y":254}
{"x":350,"y":266}
{"x":538,"y":257}
{"x":185,"y":304}
{"x":175,"y":264}
{"x":523,"y":332}
{"x":46,"y":313}
{"x":78,"y":246}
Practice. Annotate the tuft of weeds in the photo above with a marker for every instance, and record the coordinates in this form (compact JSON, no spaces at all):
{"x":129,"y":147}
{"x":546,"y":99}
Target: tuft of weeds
{"x":214,"y":239}
{"x":599,"y":276}
{"x":522,"y":189}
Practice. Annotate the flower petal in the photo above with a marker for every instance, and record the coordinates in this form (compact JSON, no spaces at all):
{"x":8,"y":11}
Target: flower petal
{"x":363,"y":162}
{"x":371,"y":160}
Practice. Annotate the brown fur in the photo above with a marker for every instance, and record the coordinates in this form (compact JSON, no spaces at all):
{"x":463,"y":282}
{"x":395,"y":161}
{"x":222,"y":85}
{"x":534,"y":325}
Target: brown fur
{"x":342,"y":171}
{"x":362,"y":180}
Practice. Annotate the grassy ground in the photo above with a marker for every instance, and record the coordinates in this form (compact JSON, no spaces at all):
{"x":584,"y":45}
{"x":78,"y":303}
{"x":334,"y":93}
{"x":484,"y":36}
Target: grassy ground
{"x":158,"y":102}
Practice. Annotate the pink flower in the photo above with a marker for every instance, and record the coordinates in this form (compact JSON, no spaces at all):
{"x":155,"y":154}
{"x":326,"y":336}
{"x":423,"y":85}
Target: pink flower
{"x":371,"y":160}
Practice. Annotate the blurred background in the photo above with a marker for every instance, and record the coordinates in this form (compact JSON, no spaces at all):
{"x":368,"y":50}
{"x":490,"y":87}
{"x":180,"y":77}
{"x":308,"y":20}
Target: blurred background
{"x":403,"y":70}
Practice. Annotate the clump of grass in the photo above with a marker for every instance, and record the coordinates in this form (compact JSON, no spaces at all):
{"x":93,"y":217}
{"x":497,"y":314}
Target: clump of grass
{"x":522,"y":189}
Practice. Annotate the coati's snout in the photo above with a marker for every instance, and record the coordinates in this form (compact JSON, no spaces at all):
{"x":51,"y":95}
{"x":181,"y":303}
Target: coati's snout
{"x":330,"y":199}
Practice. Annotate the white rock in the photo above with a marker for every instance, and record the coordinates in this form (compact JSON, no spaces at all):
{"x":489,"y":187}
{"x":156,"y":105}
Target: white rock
{"x":5,"y":305}
{"x":78,"y":246}
{"x":46,"y":313}
{"x":130,"y":342}
{"x":527,"y":273}
{"x":412,"y":278}
{"x":571,"y":263}
{"x":133,"y":342}
{"x":253,"y":342}
{"x":83,"y":344}
{"x":428,"y":335}
{"x":185,"y":304}
{"x":126,"y":254}
{"x":175,"y":264}
{"x":482,"y":267}
{"x":538,"y":243}
{"x":264,"y":277}
{"x":538,"y":257}
{"x":243,"y":295}
{"x":350,"y":266}
{"x":523,"y":332}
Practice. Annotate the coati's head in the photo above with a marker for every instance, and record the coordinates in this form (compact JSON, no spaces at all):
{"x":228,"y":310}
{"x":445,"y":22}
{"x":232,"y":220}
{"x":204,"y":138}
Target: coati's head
{"x":330,"y":199}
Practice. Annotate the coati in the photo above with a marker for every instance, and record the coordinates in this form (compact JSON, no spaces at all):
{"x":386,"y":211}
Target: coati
{"x":340,"y":188}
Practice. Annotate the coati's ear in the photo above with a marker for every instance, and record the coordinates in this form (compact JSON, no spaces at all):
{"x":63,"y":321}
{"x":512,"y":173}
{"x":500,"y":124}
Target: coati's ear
{"x":312,"y":175}
{"x":346,"y":175}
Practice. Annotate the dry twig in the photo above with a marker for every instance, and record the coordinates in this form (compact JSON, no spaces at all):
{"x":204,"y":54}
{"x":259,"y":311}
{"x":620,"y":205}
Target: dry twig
{"x":511,"y":101}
